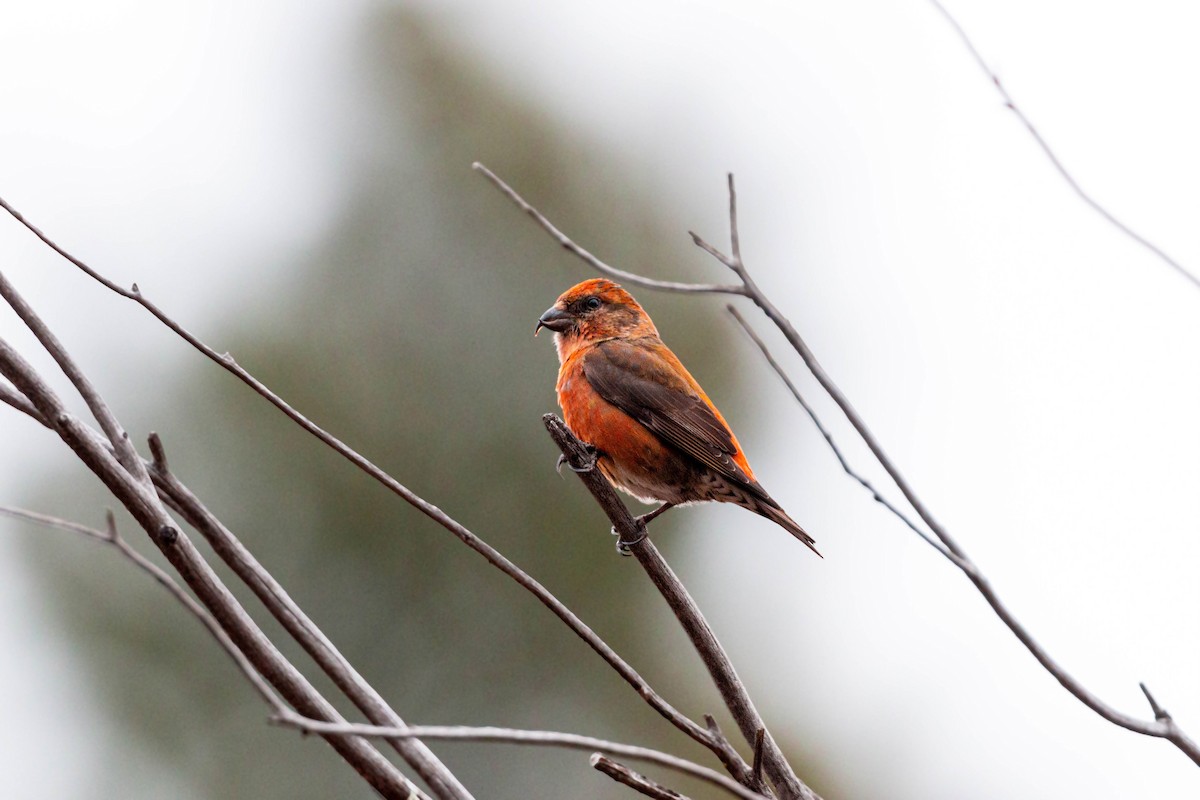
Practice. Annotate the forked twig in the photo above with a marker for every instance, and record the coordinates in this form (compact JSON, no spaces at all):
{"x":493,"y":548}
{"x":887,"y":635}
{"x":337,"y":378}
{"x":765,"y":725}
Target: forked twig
{"x":113,"y":539}
{"x":716,"y":661}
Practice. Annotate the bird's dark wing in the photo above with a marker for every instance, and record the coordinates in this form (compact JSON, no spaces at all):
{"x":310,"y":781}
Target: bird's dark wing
{"x":644,"y":382}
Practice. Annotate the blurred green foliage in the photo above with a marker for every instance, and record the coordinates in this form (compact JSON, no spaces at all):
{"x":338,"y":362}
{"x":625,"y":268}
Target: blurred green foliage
{"x":406,"y":332}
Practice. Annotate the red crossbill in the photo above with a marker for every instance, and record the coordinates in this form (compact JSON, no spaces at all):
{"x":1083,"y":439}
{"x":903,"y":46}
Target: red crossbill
{"x":656,"y":434}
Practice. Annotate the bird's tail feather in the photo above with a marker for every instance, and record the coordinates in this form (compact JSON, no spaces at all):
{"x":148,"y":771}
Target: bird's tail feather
{"x":780,"y":517}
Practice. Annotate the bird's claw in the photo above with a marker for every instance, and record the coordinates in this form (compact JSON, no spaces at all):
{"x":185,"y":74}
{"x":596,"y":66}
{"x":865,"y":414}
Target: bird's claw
{"x":588,"y":467}
{"x":623,"y":546}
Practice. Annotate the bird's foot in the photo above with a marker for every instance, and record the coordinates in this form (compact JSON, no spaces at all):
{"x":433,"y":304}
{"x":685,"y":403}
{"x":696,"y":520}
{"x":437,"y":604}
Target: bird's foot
{"x":623,"y":545}
{"x":588,"y":467}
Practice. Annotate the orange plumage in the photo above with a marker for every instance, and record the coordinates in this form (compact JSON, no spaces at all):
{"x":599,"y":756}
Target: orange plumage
{"x":657,"y":434}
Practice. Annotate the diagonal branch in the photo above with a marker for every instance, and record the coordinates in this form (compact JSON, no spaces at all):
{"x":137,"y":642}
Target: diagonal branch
{"x":632,"y":534}
{"x":1059,"y":167}
{"x":961,"y":559}
{"x":143,"y":504}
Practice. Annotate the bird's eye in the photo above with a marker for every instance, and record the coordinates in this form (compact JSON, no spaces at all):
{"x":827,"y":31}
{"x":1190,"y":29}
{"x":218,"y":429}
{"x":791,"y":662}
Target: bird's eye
{"x":592,"y":303}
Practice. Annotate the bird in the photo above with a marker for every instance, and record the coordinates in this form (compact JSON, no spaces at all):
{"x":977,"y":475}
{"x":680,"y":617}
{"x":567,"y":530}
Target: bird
{"x":656,"y":435}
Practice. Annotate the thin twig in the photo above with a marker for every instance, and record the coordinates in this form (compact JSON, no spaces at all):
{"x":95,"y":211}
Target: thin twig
{"x":489,"y":553}
{"x":113,"y":539}
{"x":1095,"y":205}
{"x":1158,"y":728}
{"x":571,"y":741}
{"x":1160,"y":713}
{"x":573,"y":248}
{"x":730,"y":686}
{"x":636,"y":781}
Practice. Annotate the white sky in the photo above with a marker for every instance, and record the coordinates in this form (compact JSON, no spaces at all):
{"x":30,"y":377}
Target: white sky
{"x":1033,"y":372}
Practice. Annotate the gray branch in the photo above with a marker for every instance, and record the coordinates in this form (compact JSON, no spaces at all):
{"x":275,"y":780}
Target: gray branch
{"x":142,"y":502}
{"x":632,"y":534}
{"x":298,"y":624}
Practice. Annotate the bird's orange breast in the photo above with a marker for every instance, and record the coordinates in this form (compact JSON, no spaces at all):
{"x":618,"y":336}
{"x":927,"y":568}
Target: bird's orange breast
{"x":630,"y":455}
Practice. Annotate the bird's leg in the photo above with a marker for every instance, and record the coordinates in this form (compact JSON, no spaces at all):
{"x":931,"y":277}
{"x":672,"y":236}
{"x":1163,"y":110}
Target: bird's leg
{"x":593,"y":456}
{"x":645,"y":518}
{"x":640,"y":522}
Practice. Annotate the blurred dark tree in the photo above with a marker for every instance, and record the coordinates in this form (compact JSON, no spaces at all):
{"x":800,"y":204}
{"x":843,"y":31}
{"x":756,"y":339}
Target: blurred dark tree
{"x":406,"y":332}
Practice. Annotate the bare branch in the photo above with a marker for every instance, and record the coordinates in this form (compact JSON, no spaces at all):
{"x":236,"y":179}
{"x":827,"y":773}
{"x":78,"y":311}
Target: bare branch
{"x":571,"y":741}
{"x":141,"y":501}
{"x":112,"y":538}
{"x":489,"y":553}
{"x":1095,"y":205}
{"x":633,"y":533}
{"x":591,"y":260}
{"x":961,"y":559}
{"x":297,"y":623}
{"x":640,"y":783}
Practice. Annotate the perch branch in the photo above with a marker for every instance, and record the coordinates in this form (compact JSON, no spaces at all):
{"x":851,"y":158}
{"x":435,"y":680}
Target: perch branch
{"x":730,"y":686}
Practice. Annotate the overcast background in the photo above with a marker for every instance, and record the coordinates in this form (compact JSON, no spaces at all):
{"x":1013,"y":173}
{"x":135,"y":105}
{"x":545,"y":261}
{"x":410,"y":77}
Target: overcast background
{"x":1035,"y":373}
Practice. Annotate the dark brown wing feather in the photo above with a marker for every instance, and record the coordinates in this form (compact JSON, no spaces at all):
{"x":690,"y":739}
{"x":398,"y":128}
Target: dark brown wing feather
{"x":642,"y":384}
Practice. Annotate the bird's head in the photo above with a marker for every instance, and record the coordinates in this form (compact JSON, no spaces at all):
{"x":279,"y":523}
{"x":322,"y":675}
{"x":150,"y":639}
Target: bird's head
{"x":592,"y":311}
